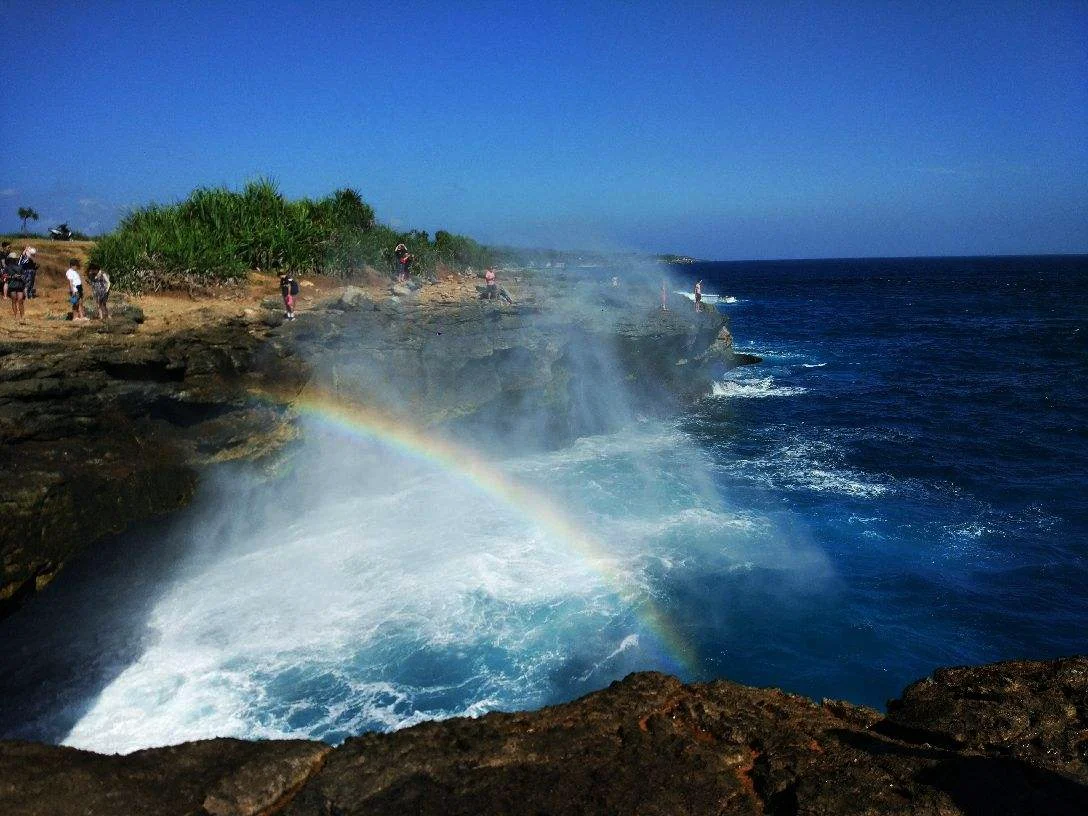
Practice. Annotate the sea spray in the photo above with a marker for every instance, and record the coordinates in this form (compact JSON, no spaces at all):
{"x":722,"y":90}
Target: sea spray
{"x":381,"y":601}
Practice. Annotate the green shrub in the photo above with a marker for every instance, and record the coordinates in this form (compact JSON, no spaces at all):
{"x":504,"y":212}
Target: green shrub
{"x":217,"y":235}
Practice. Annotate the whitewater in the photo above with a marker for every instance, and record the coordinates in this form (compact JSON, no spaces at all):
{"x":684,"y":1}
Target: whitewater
{"x":383,"y":602}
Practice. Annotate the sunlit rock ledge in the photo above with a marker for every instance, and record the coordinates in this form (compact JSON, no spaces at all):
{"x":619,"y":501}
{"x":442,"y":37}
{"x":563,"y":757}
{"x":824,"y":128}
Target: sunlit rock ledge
{"x":1005,"y":738}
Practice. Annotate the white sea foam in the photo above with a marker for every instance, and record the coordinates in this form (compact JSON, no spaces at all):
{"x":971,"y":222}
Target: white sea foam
{"x":629,"y":642}
{"x":332,"y":595}
{"x":772,"y":353}
{"x":754,"y":388}
{"x":707,"y":298}
{"x":693,"y":520}
{"x":398,"y":593}
{"x":809,"y":465}
{"x":847,"y":482}
{"x":648,"y":437}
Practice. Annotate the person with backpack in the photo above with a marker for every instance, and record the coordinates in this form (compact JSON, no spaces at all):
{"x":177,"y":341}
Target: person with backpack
{"x":30,"y":271}
{"x":100,"y":285}
{"x":15,"y":286}
{"x":289,"y":290}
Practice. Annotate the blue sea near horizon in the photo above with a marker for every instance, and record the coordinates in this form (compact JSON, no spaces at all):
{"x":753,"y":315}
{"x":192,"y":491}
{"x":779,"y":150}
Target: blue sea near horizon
{"x":898,"y":486}
{"x":924,"y":421}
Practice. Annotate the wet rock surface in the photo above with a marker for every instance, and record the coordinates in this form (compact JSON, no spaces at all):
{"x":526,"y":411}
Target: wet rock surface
{"x":648,"y":744}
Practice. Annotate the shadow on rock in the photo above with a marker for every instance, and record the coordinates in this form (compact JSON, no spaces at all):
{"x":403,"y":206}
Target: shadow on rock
{"x":978,"y":785}
{"x":994,"y":787}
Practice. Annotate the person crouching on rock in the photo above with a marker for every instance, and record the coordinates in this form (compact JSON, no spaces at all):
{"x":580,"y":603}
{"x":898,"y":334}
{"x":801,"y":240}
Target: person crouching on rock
{"x":75,"y":289}
{"x":100,"y":285}
{"x":15,"y":286}
{"x":289,"y":290}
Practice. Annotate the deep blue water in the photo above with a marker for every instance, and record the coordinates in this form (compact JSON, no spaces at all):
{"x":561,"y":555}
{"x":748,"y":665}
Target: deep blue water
{"x":922,"y":422}
{"x":898,"y":486}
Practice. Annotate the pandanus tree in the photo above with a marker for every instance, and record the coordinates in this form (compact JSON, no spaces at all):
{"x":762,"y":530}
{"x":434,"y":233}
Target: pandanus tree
{"x":27,"y":214}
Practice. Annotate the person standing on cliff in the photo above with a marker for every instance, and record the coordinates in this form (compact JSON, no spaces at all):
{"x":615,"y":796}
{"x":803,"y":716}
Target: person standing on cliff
{"x":100,"y":285}
{"x":30,"y":270}
{"x":698,"y":295}
{"x":75,"y":289}
{"x":289,"y":289}
{"x":15,"y":286}
{"x":404,"y":262}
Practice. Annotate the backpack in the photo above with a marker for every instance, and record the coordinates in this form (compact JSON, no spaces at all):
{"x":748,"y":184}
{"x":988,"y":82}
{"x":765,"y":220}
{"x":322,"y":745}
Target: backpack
{"x":294,"y":286}
{"x":16,"y":281}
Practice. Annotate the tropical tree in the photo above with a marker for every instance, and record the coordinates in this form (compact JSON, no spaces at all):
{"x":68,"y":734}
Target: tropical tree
{"x":27,"y":214}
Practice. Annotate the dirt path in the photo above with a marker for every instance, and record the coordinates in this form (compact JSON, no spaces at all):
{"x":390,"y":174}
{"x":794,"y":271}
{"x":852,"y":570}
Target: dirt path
{"x":46,"y":322}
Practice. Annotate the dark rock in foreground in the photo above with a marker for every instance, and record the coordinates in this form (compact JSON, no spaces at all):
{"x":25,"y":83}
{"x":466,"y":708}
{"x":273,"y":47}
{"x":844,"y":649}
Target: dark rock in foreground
{"x":1006,"y":738}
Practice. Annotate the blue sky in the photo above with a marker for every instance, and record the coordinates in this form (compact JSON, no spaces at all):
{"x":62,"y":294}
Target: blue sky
{"x":725,"y":130}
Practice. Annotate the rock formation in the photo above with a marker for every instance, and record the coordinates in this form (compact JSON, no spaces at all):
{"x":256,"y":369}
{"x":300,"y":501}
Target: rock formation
{"x":111,"y":430}
{"x":105,"y":428}
{"x":1007,"y":738}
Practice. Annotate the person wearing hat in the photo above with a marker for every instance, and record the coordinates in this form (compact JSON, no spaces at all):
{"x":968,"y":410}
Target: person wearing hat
{"x":30,"y":270}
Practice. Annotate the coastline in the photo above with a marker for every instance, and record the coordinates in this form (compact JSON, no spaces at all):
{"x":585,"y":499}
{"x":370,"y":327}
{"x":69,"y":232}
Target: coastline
{"x":111,"y":424}
{"x":148,"y":406}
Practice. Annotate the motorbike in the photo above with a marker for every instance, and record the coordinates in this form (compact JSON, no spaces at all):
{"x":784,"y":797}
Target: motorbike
{"x":61,"y":233}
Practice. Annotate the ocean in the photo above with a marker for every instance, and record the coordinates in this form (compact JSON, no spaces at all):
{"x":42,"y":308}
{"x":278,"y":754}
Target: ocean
{"x":898,"y":486}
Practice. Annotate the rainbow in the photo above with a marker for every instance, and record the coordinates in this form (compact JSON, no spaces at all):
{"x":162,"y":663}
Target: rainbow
{"x":359,"y":422}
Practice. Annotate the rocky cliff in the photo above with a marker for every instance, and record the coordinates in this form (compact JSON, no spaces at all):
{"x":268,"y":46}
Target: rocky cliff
{"x":102,"y":429}
{"x":1008,"y":738}
{"x":106,"y":426}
